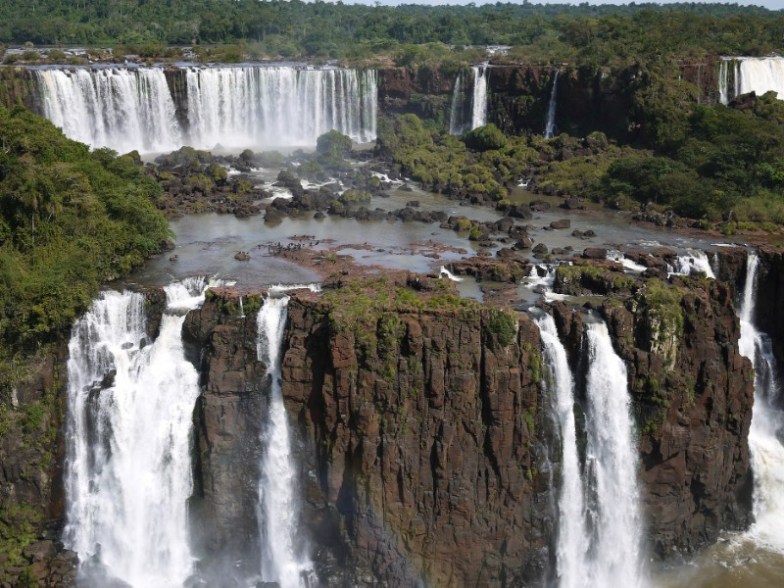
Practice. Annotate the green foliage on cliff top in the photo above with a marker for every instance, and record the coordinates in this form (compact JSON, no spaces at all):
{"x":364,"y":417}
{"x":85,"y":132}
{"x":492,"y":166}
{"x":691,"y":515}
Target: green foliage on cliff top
{"x":445,"y":164}
{"x":69,"y":219}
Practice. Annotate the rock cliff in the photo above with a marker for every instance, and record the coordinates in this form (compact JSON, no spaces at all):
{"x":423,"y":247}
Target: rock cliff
{"x":221,"y":342}
{"x":423,"y":434}
{"x":692,"y":393}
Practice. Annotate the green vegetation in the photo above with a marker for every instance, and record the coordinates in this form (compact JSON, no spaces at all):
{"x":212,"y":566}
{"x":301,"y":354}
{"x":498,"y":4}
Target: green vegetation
{"x":409,"y":34}
{"x":501,"y":326}
{"x":445,"y":164}
{"x":69,"y":219}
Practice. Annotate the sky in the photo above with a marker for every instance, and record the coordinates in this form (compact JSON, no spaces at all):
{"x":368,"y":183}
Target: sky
{"x":771,"y":4}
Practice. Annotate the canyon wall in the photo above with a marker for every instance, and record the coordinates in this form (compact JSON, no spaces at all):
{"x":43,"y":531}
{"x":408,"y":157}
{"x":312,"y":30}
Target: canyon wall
{"x":692,"y":394}
{"x":424,"y":440}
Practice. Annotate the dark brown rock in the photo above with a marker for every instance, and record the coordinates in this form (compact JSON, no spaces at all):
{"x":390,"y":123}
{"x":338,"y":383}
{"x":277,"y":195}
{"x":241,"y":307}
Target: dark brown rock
{"x":563,"y":223}
{"x":433,"y":440}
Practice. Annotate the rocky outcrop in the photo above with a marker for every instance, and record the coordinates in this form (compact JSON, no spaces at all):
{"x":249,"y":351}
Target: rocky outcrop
{"x":692,"y":393}
{"x":422,"y":441}
{"x":228,"y":418}
{"x":770,"y":293}
{"x":32,"y":458}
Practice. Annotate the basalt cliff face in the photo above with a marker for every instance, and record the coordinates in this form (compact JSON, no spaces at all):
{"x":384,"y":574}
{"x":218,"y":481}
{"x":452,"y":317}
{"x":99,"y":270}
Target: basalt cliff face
{"x":425,"y":446}
{"x":692,"y":394}
{"x":425,"y":452}
{"x":588,"y":98}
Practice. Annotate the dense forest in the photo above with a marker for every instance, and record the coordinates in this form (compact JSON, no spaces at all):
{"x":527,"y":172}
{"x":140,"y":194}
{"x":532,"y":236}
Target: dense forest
{"x":69,"y":220}
{"x":295,"y":29}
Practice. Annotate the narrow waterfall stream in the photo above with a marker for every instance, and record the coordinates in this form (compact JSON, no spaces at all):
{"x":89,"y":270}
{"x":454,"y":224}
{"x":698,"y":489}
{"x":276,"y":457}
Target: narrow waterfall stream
{"x":612,"y":463}
{"x":600,"y":528}
{"x":549,"y":129}
{"x":572,"y":542}
{"x":129,"y":426}
{"x":455,"y":118}
{"x":282,"y":559}
{"x":767,"y":423}
{"x":479,"y":102}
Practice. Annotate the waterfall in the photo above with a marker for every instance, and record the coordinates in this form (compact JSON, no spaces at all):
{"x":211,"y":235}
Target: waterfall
{"x":455,"y":118}
{"x":751,"y":74}
{"x":723,"y":82}
{"x":767,"y":423}
{"x":611,"y":464}
{"x":283,"y":561}
{"x":128,"y":467}
{"x":761,"y":75}
{"x":549,"y":128}
{"x":121,"y":108}
{"x":128,"y":108}
{"x":693,"y":260}
{"x":572,"y":540}
{"x":444,"y":271}
{"x":479,"y":102}
{"x":251,"y":105}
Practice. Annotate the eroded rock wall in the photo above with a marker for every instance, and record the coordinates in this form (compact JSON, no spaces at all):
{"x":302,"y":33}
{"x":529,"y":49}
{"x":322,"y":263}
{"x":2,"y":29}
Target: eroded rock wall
{"x":421,"y":441}
{"x":228,"y":420}
{"x":692,"y":394}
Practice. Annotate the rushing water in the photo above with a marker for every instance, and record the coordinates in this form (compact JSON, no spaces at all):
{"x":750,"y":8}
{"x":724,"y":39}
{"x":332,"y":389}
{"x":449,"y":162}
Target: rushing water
{"x":549,"y":128}
{"x":693,"y":260}
{"x":229,"y":106}
{"x":612,"y":462}
{"x":128,"y":443}
{"x":572,"y":542}
{"x":479,"y":102}
{"x":455,"y":114}
{"x":740,"y":75}
{"x":767,"y":424}
{"x":242,"y":106}
{"x":282,"y":558}
{"x":124,"y":109}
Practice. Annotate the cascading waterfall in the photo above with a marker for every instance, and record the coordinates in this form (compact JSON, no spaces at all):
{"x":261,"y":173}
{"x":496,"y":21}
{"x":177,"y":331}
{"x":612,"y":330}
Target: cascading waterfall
{"x":121,"y":108}
{"x":723,"y":82}
{"x":234,"y":107}
{"x":479,"y":103}
{"x":767,"y":423}
{"x":611,"y":465}
{"x":549,"y":128}
{"x":247,"y":106}
{"x":282,"y":560}
{"x":128,"y":468}
{"x":693,"y":260}
{"x":572,"y":541}
{"x":455,"y":119}
{"x":751,"y":74}
{"x":761,"y":75}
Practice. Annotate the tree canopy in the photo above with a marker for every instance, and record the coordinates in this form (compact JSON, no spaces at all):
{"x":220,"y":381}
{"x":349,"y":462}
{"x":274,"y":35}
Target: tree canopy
{"x":69,"y":219}
{"x":295,"y":29}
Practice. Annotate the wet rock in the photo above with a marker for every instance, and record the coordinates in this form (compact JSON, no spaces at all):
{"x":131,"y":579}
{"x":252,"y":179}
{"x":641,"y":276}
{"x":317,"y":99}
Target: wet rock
{"x":520,"y":211}
{"x":573,"y":204}
{"x":540,"y":206}
{"x":540,"y":250}
{"x":595,"y":253}
{"x":563,"y":223}
{"x":504,"y":225}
